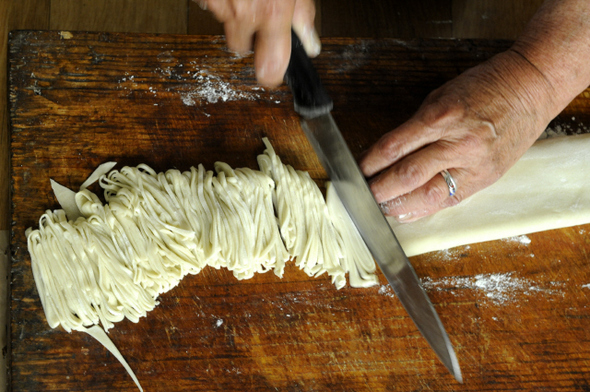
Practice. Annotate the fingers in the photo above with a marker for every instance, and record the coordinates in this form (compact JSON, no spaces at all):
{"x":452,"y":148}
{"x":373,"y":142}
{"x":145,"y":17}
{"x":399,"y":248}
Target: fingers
{"x":427,"y":199}
{"x":266,"y":24}
{"x":273,"y":40}
{"x":303,"y":24}
{"x":413,"y":186}
{"x":394,"y":145}
{"x":435,"y":121}
{"x":443,"y":135}
{"x":273,"y":44}
{"x":220,"y":8}
{"x":414,"y":170}
{"x":239,"y":36}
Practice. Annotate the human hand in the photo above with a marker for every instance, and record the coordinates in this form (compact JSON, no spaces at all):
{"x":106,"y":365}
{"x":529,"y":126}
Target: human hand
{"x":475,"y":126}
{"x":266,"y":24}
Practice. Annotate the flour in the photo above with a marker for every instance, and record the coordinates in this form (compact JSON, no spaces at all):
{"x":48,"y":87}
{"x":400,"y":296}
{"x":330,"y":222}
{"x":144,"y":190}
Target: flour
{"x":212,"y":89}
{"x":500,"y":288}
{"x":451,"y":254}
{"x":195,"y":83}
{"x":523,"y":239}
{"x":200,"y":87}
{"x":386,"y":290}
{"x":564,"y":129}
{"x":354,"y":57}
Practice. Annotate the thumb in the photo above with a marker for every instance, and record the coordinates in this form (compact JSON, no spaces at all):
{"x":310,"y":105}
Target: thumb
{"x":303,"y":24}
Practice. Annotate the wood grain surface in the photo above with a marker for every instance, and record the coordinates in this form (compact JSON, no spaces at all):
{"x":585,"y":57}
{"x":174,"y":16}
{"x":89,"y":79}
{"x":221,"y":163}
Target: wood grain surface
{"x":145,"y":16}
{"x":517,"y":312}
{"x":492,"y":18}
{"x":386,"y":19}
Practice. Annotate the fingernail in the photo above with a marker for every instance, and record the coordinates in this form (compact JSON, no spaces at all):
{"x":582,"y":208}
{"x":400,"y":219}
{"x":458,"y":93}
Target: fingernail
{"x":237,"y":55}
{"x":413,"y":216}
{"x":311,"y":41}
{"x":266,"y":74}
{"x":404,"y":217}
{"x":202,"y":4}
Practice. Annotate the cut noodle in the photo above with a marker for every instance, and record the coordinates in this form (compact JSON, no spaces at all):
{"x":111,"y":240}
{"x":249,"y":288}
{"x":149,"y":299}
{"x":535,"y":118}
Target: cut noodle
{"x":96,"y":263}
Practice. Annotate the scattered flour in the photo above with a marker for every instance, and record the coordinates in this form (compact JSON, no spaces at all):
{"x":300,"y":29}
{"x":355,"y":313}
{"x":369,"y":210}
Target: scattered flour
{"x":234,"y":370}
{"x":500,"y":288}
{"x":564,"y":129}
{"x":586,"y":286}
{"x":451,"y":254}
{"x":218,"y":323}
{"x":386,"y":290}
{"x":212,"y":89}
{"x":354,"y":56}
{"x":195,"y":84}
{"x":523,"y":239}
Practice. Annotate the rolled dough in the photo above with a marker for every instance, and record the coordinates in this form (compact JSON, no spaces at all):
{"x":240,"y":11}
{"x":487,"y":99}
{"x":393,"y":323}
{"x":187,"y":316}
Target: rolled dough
{"x":548,"y":188}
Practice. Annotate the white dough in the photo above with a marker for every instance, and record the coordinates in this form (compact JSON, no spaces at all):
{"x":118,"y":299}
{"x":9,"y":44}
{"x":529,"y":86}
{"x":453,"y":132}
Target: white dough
{"x":357,"y":259}
{"x":99,"y":334}
{"x":548,"y":188}
{"x":98,"y":263}
{"x":305,"y":224}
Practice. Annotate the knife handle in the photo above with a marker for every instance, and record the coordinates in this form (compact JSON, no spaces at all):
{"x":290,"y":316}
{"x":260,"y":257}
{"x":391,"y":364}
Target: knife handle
{"x":309,"y":96}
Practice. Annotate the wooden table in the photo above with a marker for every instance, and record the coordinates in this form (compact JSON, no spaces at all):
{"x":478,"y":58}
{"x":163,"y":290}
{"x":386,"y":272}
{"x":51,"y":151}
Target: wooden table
{"x":516,"y":312}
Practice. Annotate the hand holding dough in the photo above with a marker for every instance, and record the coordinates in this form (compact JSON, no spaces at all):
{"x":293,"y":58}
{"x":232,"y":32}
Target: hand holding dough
{"x":475,"y":126}
{"x":478,"y":125}
{"x":548,"y":188}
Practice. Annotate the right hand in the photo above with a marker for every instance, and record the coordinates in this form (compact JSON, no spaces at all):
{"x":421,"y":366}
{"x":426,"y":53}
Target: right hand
{"x":266,"y":24}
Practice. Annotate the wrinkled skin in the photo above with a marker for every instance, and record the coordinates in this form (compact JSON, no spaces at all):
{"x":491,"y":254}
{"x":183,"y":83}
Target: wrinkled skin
{"x":476,"y":126}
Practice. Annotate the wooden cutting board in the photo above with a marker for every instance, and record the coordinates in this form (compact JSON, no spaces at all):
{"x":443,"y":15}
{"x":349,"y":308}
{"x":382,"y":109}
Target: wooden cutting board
{"x":517,"y":312}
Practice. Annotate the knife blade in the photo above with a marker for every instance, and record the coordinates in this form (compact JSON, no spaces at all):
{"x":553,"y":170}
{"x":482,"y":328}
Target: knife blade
{"x":314,"y":105}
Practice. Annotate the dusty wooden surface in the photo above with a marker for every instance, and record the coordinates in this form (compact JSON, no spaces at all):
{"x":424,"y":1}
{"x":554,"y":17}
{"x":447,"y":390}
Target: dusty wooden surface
{"x":516,"y":312}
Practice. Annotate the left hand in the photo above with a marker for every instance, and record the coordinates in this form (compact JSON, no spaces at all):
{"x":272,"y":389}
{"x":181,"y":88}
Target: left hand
{"x":475,"y":126}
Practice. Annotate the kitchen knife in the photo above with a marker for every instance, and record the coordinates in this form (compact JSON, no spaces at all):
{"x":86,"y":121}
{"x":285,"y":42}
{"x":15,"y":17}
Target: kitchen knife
{"x":313,"y":104}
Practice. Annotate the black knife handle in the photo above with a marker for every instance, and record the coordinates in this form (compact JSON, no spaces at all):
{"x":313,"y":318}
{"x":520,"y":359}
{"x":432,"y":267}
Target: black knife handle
{"x":309,"y":96}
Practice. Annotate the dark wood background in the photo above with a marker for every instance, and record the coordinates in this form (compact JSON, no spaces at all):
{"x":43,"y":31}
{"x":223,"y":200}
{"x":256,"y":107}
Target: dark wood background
{"x":517,"y":313}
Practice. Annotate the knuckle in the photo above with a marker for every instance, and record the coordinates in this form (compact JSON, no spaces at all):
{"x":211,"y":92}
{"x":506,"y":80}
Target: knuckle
{"x":453,"y":201}
{"x":411,"y":174}
{"x":434,"y":194}
{"x":242,"y":10}
{"x":479,"y":140}
{"x":272,"y":9}
{"x":473,"y":145}
{"x":443,"y":110}
{"x":388,"y":148}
